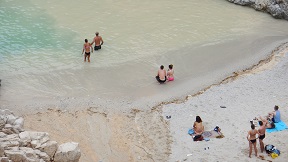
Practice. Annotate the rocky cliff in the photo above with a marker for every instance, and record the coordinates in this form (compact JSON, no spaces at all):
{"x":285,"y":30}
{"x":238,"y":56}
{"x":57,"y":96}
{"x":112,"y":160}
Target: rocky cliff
{"x":277,"y":8}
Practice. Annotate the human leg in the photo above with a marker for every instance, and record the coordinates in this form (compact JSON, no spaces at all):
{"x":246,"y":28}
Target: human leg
{"x":255,"y":148}
{"x":88,"y":58}
{"x":250,"y":148}
{"x":261,"y":145}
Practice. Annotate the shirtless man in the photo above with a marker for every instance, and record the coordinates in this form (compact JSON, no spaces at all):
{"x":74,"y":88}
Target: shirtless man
{"x":161,"y":75}
{"x":251,"y":137}
{"x":261,"y":131}
{"x":98,"y":41}
{"x":86,"y":47}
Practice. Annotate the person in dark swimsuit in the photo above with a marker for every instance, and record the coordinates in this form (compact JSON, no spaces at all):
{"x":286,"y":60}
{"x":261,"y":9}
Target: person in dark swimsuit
{"x":87,"y":47}
{"x":262,"y":130}
{"x":98,"y":41}
{"x":251,"y":137}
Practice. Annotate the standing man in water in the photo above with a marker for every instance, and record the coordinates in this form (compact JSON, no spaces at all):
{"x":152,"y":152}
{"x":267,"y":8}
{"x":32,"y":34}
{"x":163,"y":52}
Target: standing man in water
{"x":86,"y":47}
{"x":98,"y":41}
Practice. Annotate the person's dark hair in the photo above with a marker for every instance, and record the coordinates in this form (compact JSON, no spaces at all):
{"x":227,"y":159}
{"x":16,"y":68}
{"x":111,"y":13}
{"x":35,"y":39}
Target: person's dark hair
{"x":276,"y":107}
{"x":198,"y":119}
{"x":86,"y":40}
{"x":252,"y":126}
{"x":162,"y":67}
{"x":260,"y":123}
{"x":97,"y":33}
{"x":170,"y":66}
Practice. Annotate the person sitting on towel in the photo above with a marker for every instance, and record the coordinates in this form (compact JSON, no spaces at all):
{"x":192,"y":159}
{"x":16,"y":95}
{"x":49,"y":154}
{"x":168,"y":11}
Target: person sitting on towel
{"x":275,"y":114}
{"x":198,"y":129}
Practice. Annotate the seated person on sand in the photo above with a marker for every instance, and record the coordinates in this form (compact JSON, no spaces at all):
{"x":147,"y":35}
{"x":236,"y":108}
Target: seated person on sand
{"x":269,"y":124}
{"x":170,"y":73}
{"x":161,"y":75}
{"x":198,"y":129}
{"x":275,"y":115}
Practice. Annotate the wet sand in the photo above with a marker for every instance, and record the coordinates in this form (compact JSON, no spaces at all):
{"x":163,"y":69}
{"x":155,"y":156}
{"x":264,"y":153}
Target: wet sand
{"x":146,"y":135}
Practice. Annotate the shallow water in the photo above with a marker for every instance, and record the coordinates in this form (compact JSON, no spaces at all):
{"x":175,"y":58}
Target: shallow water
{"x":41,"y":43}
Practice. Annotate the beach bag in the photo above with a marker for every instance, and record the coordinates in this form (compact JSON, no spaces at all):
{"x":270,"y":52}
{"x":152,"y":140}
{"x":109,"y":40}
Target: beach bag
{"x":269,"y":149}
{"x":276,"y":151}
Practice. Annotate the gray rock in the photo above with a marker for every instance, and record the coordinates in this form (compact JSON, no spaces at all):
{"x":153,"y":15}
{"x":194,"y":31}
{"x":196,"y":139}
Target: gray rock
{"x":3,"y":120}
{"x":277,"y":8}
{"x":42,"y":155}
{"x":68,"y":152}
{"x":4,"y":159}
{"x":10,"y":119}
{"x":1,"y":151}
{"x":15,"y":155}
{"x":50,"y":148}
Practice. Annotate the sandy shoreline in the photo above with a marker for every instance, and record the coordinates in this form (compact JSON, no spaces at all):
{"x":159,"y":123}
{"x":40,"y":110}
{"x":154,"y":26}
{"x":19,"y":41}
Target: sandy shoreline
{"x":146,"y":135}
{"x":252,"y":93}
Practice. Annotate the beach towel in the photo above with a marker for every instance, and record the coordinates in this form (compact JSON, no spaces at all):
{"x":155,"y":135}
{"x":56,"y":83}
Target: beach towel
{"x":210,"y":134}
{"x":278,"y":127}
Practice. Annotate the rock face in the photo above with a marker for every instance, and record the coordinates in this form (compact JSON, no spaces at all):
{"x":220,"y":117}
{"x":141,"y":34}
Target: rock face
{"x":68,"y":152}
{"x":18,"y":145}
{"x":277,"y":8}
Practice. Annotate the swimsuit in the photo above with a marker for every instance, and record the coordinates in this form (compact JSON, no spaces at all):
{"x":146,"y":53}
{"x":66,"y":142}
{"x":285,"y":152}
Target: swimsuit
{"x":170,"y":78}
{"x":159,"y":80}
{"x":262,"y":136}
{"x":87,"y":53}
{"x":97,"y":47}
{"x":253,"y":141}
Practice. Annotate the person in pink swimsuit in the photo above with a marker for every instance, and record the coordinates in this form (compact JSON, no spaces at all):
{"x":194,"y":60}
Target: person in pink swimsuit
{"x":170,"y":73}
{"x":86,"y":47}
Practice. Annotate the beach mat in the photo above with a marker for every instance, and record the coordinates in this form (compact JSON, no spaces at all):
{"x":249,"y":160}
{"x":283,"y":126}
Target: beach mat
{"x":278,"y":127}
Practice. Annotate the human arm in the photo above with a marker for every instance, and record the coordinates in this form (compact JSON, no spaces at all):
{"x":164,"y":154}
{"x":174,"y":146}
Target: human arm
{"x":83,"y":49}
{"x":91,"y":48}
{"x":101,"y":40}
{"x":92,"y":42}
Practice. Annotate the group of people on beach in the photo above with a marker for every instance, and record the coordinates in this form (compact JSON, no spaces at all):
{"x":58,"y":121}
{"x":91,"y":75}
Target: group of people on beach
{"x":267,"y":122}
{"x":162,"y":76}
{"x":87,"y":47}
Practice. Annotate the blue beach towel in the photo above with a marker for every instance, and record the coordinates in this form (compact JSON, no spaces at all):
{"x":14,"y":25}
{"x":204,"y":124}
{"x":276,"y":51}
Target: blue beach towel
{"x":278,"y":127}
{"x":190,"y":131}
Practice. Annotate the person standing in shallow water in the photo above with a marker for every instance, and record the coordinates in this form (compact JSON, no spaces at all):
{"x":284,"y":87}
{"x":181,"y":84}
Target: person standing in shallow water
{"x":86,"y":47}
{"x":98,"y":41}
{"x":161,"y":75}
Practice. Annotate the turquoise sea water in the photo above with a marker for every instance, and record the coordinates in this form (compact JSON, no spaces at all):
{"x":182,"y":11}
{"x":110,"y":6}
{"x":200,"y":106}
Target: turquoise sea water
{"x":41,"y":44}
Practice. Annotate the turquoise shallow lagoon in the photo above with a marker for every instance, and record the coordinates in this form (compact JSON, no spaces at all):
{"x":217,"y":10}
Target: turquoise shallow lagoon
{"x":40,"y":50}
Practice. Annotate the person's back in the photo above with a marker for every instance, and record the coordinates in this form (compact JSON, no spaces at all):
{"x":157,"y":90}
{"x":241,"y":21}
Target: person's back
{"x":198,"y":126}
{"x":277,"y":117}
{"x":98,"y":41}
{"x":161,"y":75}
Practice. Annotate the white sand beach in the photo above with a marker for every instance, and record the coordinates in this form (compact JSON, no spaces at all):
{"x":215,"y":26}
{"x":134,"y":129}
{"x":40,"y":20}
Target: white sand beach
{"x":248,"y":95}
{"x":113,"y":107}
